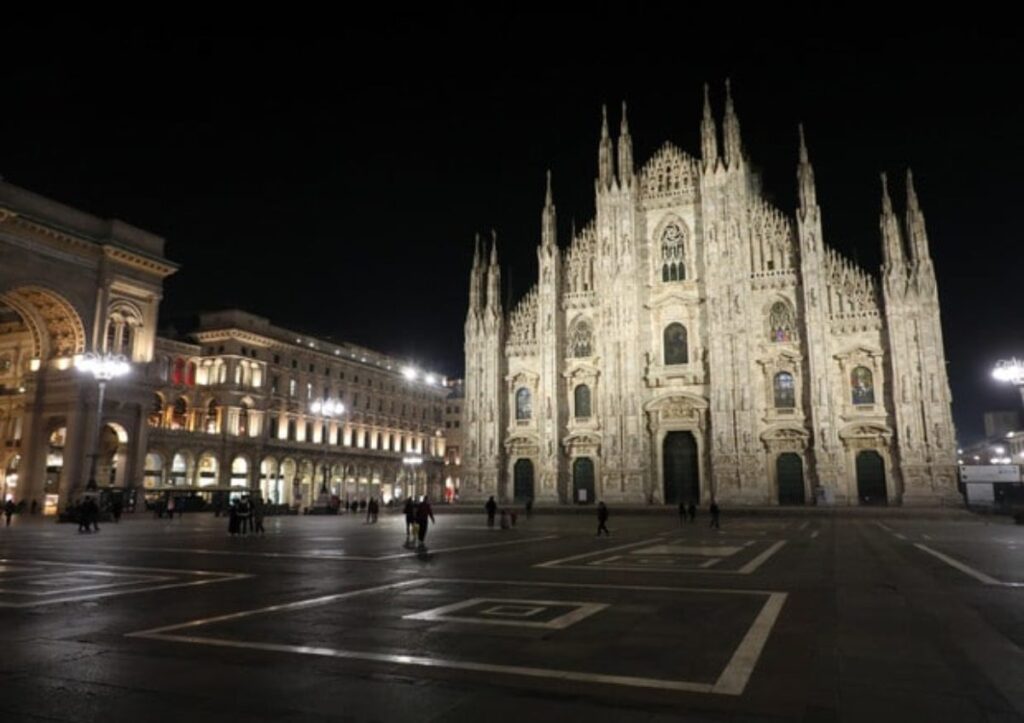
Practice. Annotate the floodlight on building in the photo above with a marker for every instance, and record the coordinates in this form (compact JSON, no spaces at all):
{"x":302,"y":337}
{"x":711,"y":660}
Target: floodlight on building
{"x":409,"y":373}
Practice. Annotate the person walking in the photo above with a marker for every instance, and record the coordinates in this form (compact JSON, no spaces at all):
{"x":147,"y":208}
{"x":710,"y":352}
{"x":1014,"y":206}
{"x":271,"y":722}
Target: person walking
{"x":233,"y":517}
{"x":492,"y":508}
{"x":682,"y":514}
{"x":9,"y":508}
{"x":691,"y":511}
{"x":423,"y":514}
{"x":529,"y":507}
{"x":170,"y":507}
{"x":257,"y":515}
{"x":602,"y":519}
{"x":714,"y":514}
{"x":410,"y":520}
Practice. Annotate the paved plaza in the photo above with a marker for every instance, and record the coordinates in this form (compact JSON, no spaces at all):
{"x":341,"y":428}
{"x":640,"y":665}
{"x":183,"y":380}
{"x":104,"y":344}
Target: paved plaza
{"x":813,"y":616}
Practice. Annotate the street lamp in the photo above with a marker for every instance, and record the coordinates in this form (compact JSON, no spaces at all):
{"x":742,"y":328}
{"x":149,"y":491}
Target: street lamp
{"x":327,"y":408}
{"x":1011,"y":370}
{"x":103,"y":368}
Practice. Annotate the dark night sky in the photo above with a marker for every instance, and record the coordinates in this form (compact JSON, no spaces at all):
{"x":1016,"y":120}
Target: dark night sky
{"x":332,"y":180}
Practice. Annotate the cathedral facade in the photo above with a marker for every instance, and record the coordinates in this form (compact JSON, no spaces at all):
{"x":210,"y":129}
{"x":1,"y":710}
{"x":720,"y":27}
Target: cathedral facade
{"x":695,"y":342}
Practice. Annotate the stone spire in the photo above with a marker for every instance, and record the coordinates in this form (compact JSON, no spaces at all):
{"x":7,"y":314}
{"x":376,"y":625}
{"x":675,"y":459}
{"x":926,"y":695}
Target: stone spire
{"x":604,"y":153}
{"x":548,"y":220}
{"x":731,"y":131}
{"x":805,"y":178}
{"x":708,"y":134}
{"x":476,"y":281}
{"x":494,"y":278}
{"x":625,"y":150}
{"x":915,"y":225}
{"x":892,"y":243}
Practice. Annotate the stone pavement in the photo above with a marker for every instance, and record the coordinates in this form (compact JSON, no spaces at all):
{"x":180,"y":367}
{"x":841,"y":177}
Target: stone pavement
{"x":807,"y":617}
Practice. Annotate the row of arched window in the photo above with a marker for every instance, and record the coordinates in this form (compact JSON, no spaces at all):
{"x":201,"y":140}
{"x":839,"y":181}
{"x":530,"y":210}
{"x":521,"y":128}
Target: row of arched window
{"x":862,"y":391}
{"x":862,"y":388}
{"x":581,"y":403}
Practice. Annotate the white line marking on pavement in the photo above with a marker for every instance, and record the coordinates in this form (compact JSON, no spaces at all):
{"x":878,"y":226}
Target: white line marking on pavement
{"x":967,"y":569}
{"x":885,"y":527}
{"x":927,"y":537}
{"x":732,"y":680}
{"x":275,"y":608}
{"x":803,"y":525}
{"x":552,"y":563}
{"x":209,"y":577}
{"x":898,"y":536}
{"x":815,"y":534}
{"x":328,"y":555}
{"x":760,"y":559}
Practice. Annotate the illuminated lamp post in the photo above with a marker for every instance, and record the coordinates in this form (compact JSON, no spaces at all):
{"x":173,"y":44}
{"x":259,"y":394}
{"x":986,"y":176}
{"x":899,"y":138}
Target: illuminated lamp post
{"x":103,"y":368}
{"x":328,"y":409}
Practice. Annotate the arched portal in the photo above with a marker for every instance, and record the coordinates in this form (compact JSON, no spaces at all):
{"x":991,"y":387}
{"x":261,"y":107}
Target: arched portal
{"x":522,"y":474}
{"x":871,"y":488}
{"x":583,"y":481}
{"x":681,"y":468}
{"x":789,"y":474}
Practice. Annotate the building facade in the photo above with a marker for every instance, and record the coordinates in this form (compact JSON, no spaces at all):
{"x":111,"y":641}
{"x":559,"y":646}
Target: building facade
{"x":453,"y":410}
{"x":232,"y":405}
{"x":693,"y":341}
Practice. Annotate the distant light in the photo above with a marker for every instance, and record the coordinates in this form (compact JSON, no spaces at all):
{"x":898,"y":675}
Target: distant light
{"x":409,"y":373}
{"x":1009,"y":435}
{"x":34,"y":364}
{"x":430,"y":379}
{"x":959,"y":461}
{"x":1000,"y":450}
{"x":959,"y":451}
{"x":976,"y":457}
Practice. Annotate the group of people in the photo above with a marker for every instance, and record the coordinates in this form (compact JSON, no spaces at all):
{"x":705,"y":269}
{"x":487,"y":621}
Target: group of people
{"x":508,"y":516}
{"x":246,"y":515}
{"x":688,"y":511}
{"x":87,"y":511}
{"x":418,"y":517}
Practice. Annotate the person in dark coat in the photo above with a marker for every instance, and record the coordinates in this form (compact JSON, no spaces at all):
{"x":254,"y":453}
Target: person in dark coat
{"x":492,"y":508}
{"x":529,"y":507}
{"x":410,"y":518}
{"x":691,"y":511}
{"x":714,"y":515}
{"x":9,"y":508}
{"x":682,"y":513}
{"x":423,"y":514}
{"x":233,"y":518}
{"x":602,"y":519}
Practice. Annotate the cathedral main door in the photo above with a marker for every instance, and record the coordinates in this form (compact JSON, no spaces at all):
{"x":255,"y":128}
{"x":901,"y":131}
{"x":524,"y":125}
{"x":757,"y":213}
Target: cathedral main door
{"x":871,"y":478}
{"x":583,"y":480}
{"x":680,"y":468}
{"x":789,"y":472}
{"x":522,"y":480}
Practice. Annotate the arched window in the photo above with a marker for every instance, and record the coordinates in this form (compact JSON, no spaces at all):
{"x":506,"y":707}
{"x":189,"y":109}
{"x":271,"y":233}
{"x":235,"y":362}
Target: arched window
{"x":672,"y":246}
{"x":211,"y":417}
{"x":112,"y":337}
{"x":675,"y":344}
{"x":785,"y":393}
{"x":179,"y":417}
{"x":156,"y":414}
{"x":581,"y":397}
{"x":524,"y":406}
{"x":127,"y":337}
{"x":581,"y":339}
{"x":178,"y":376}
{"x":862,"y":386}
{"x":781,"y":325}
{"x":243,"y":420}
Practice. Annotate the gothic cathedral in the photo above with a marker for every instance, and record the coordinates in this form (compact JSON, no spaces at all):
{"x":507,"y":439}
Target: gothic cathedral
{"x":694,"y":342}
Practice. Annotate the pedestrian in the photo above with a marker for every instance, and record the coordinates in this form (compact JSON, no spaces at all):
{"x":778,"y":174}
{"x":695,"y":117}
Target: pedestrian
{"x":92,"y":515}
{"x":34,"y":508}
{"x":257,"y":515}
{"x":713,"y":509}
{"x":512,"y":514}
{"x":115,"y":509}
{"x":410,"y":520}
{"x":423,"y":514}
{"x":170,"y":507}
{"x":682,"y":513}
{"x":376,"y":509}
{"x":491,"y":508}
{"x":233,"y":518}
{"x":244,"y":515}
{"x":602,"y":519}
{"x":691,"y":511}
{"x":529,"y":507}
{"x":9,"y":508}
